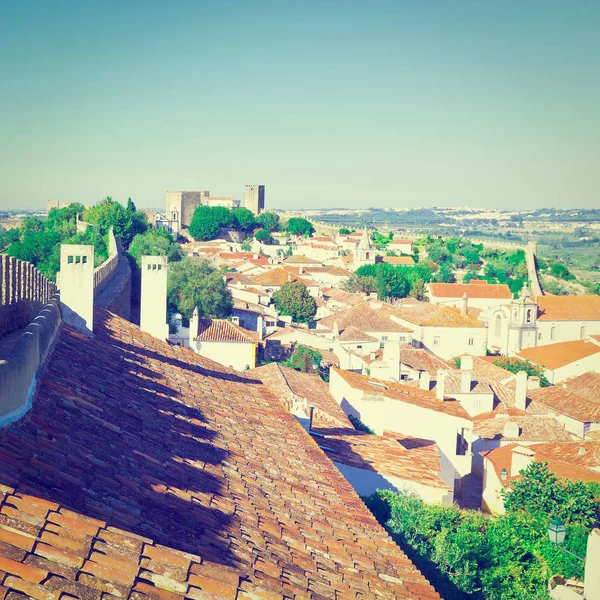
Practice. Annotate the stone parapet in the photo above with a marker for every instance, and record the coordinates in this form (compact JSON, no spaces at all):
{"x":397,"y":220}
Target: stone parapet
{"x":18,"y":373}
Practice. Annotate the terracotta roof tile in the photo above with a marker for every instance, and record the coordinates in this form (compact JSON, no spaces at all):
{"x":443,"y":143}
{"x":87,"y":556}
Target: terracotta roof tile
{"x":399,"y":260}
{"x":366,"y":317}
{"x":560,"y":400}
{"x":586,"y":385}
{"x":222,"y":330}
{"x":554,"y":356}
{"x":568,"y":308}
{"x":472,"y":290}
{"x":353,"y":334}
{"x":139,"y":454}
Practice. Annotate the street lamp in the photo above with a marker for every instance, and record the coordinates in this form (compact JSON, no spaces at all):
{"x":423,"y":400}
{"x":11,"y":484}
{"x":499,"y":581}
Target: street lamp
{"x":557,"y":532}
{"x":503,"y":474}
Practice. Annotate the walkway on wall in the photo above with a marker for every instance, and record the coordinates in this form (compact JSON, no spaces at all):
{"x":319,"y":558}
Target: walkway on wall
{"x":532,"y":273}
{"x":119,"y":279}
{"x":7,"y":343}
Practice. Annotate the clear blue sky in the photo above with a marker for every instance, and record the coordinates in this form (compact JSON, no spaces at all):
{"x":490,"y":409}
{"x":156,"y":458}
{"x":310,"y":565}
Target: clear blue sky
{"x":328,"y":103}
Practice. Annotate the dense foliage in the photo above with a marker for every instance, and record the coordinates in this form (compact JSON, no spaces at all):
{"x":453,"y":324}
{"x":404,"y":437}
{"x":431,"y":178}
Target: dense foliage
{"x":467,"y":554}
{"x":305,"y":359}
{"x":195,"y":283}
{"x":269,"y":221}
{"x":514,"y":365}
{"x":263,"y":236}
{"x":126,"y":222}
{"x":391,"y":281}
{"x":207,"y":221}
{"x":294,"y":300}
{"x":300,"y":226}
{"x":155,"y":242}
{"x":38,"y":240}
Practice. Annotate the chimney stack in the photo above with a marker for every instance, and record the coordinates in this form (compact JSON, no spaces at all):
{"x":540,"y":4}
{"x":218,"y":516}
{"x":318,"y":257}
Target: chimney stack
{"x":465,"y":382}
{"x":153,"y":303}
{"x":521,"y":458}
{"x":260,"y":327}
{"x":425,"y":380}
{"x":464,"y":307}
{"x":521,"y":390}
{"x":533,"y":383}
{"x":77,"y":286}
{"x":193,"y":327}
{"x":440,"y":384}
{"x":311,"y":416}
{"x":336,"y":330}
{"x":466,"y":363}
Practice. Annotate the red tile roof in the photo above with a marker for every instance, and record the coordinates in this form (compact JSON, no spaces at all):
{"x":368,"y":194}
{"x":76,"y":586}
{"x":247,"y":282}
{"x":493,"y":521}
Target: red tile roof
{"x":221,"y":330}
{"x":145,"y":470}
{"x":399,"y":260}
{"x":342,"y":297}
{"x":366,"y":317}
{"x":473,"y":290}
{"x":430,"y":315}
{"x":353,"y":334}
{"x":532,"y":428}
{"x":402,"y":393}
{"x":554,"y":356}
{"x":568,"y":308}
{"x":558,"y":455}
{"x":299,"y":259}
{"x":402,"y":458}
{"x":586,"y":385}
{"x":279,"y":276}
{"x":560,"y":400}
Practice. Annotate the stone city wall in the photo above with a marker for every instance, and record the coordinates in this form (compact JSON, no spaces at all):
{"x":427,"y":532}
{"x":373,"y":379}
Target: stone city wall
{"x":104,"y":272}
{"x":112,"y":281}
{"x":19,"y":370}
{"x":23,"y":293}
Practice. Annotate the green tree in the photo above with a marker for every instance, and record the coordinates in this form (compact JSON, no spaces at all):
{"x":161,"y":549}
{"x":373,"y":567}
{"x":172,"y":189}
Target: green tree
{"x":359,"y":284}
{"x":419,"y":290}
{"x":131,"y":206}
{"x":195,"y":283}
{"x":109,"y":213}
{"x":269,"y":221}
{"x":263,"y":236}
{"x":294,"y":300}
{"x":514,"y":365}
{"x":305,"y":359}
{"x":300,"y":226}
{"x":243,"y":218}
{"x":155,"y":242}
{"x":344,"y":231}
{"x":222,"y":215}
{"x":205,"y":224}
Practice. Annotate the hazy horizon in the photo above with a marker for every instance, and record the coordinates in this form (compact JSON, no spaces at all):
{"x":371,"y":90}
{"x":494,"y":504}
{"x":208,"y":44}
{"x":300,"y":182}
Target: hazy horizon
{"x":344,"y":105}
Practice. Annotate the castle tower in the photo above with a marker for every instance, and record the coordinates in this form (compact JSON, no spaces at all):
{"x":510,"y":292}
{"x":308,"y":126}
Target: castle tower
{"x":363,"y":254}
{"x":522,"y":324}
{"x":76,"y":281}
{"x":254,"y":198}
{"x":153,"y":309}
{"x":180,"y":208}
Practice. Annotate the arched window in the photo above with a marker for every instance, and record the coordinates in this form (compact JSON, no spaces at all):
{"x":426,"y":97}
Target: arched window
{"x":498,"y":326}
{"x":529,"y":315}
{"x":552,"y":333}
{"x":582,"y":332}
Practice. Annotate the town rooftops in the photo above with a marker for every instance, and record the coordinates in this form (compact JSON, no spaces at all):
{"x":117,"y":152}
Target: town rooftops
{"x":402,"y":393}
{"x":568,"y":308}
{"x":284,"y":381}
{"x":279,"y":277}
{"x":299,"y":259}
{"x":222,"y":330}
{"x":146,"y":471}
{"x":342,"y":297}
{"x":366,"y":316}
{"x":587,"y":385}
{"x":529,"y":428}
{"x":562,"y":401}
{"x":430,"y":315}
{"x":407,"y":458}
{"x":554,"y":356}
{"x":472,"y":290}
{"x":562,"y":459}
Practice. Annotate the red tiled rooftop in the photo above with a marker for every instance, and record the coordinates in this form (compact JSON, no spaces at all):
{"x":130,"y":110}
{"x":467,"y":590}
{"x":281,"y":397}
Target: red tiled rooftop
{"x":222,"y":330}
{"x":568,"y":308}
{"x":554,"y":356}
{"x":472,"y":290}
{"x":146,"y":471}
{"x":587,"y":385}
{"x":366,"y":317}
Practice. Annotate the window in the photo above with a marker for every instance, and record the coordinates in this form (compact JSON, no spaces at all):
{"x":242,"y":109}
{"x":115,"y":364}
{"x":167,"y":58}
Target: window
{"x":359,"y":347}
{"x":529,"y":315}
{"x":384,"y":338}
{"x":498,"y":326}
{"x":540,"y":335}
{"x":462,"y":446}
{"x":582,"y":332}
{"x":471,"y":341}
{"x":436,"y":341}
{"x":552,"y":332}
{"x":402,"y":338}
{"x":70,"y":260}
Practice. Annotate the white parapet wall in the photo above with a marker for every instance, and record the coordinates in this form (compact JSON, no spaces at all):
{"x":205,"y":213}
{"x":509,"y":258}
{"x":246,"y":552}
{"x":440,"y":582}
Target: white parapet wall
{"x":153,"y":309}
{"x":77,"y":286}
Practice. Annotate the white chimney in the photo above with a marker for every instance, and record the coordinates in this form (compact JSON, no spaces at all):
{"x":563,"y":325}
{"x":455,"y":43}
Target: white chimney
{"x":153,"y":301}
{"x":260,"y":326}
{"x":193,"y":327}
{"x":533,"y":383}
{"x":466,"y":363}
{"x":521,"y":390}
{"x":511,"y":430}
{"x":235,"y":320}
{"x":391,"y":355}
{"x":440,"y":384}
{"x":465,"y":382}
{"x":425,"y":380}
{"x":301,"y":271}
{"x":522,"y":457}
{"x":77,"y":286}
{"x":464,"y":307}
{"x":336,"y":330}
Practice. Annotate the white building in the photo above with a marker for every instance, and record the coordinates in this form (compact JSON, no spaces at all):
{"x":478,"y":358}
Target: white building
{"x":224,"y":342}
{"x":479,"y":294}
